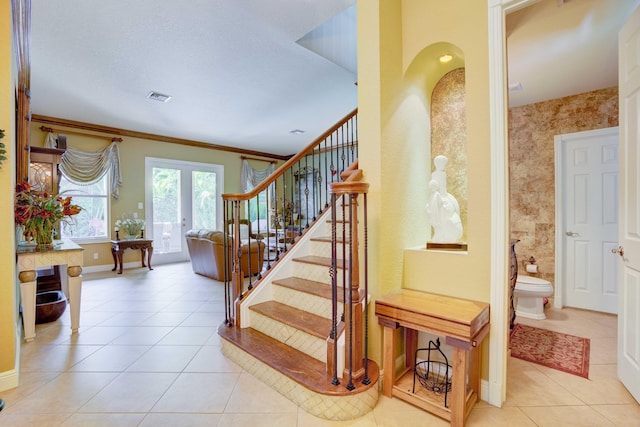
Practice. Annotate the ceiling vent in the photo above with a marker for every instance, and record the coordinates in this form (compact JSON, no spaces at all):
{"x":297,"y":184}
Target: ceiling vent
{"x":156,"y":96}
{"x":513,"y":87}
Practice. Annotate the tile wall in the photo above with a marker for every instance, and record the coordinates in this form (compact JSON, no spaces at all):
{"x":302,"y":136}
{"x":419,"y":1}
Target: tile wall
{"x":532,"y":129}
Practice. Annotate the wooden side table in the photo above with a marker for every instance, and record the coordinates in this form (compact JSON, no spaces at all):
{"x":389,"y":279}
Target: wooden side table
{"x":463,"y":323}
{"x":119,"y":246}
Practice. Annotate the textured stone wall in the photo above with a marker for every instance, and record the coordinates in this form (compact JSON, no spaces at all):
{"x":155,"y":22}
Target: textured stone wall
{"x":449,"y":135}
{"x":532,"y":129}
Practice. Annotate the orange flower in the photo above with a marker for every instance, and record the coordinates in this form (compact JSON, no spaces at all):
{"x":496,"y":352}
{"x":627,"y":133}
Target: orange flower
{"x":39,"y":210}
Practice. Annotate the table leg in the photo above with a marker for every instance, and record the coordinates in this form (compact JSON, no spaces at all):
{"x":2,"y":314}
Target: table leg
{"x":411,"y":345}
{"x":119,"y":254}
{"x":143,"y":253}
{"x":28,"y":299}
{"x":475,"y":367}
{"x":150,"y":252}
{"x":74,"y":283}
{"x":390,"y":337}
{"x":115,"y":259}
{"x":458,"y":397}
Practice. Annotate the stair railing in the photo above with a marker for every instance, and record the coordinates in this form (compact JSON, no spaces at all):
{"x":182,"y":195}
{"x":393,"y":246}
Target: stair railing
{"x":355,"y":309}
{"x":261,"y":225}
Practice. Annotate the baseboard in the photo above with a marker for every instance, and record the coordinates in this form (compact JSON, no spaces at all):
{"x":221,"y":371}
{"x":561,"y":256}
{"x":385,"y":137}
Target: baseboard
{"x":11,"y":379}
{"x":108,"y":267}
{"x":491,"y":395}
{"x":484,"y":390}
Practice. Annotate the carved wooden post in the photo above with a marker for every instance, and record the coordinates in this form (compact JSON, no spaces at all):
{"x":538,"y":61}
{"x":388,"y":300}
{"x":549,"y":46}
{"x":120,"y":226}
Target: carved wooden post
{"x":354,"y":322}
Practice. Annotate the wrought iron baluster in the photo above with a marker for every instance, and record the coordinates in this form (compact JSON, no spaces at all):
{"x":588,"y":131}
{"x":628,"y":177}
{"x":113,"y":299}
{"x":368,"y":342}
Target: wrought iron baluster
{"x":350,"y":385}
{"x":366,"y":380}
{"x":342,"y":150}
{"x":334,"y":291}
{"x":344,"y":259}
{"x":227,"y":307}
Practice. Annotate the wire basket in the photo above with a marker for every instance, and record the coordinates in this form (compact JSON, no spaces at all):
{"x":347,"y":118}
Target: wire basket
{"x":434,"y":375}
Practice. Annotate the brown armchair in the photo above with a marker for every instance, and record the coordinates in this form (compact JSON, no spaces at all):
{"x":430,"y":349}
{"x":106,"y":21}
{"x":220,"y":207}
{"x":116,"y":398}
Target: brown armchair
{"x":206,"y":250}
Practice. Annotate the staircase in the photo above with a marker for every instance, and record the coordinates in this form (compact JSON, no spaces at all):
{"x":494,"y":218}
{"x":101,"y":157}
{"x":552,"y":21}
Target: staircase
{"x":301,"y":325}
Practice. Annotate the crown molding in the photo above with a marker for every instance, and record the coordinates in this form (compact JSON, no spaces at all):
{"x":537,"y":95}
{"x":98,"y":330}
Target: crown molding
{"x":55,"y":121}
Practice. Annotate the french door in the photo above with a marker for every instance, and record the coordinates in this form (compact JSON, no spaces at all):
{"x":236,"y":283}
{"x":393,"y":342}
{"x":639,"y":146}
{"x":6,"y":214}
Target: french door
{"x":180,"y":195}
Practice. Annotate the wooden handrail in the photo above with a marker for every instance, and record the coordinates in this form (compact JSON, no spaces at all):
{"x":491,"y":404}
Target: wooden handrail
{"x":352,"y":173}
{"x":341,"y":188}
{"x":289,"y":163}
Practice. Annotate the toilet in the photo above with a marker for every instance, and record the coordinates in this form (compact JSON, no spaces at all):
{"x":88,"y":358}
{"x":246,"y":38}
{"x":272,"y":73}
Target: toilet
{"x":530,"y":292}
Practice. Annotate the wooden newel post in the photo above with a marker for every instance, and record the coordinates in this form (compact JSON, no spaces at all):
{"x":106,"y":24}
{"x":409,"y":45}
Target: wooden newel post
{"x":354,"y":321}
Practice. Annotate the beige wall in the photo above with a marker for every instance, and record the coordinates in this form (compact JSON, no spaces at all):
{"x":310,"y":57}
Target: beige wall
{"x":396,"y":68}
{"x":532,"y":129}
{"x":132,"y":159}
{"x":8,"y":311}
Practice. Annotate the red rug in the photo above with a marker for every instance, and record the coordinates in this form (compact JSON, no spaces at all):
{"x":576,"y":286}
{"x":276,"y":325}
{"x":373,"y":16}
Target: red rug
{"x":566,"y":353}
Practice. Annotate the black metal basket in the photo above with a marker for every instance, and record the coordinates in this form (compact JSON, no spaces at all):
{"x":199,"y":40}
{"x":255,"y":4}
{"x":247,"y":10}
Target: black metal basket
{"x":434,"y":375}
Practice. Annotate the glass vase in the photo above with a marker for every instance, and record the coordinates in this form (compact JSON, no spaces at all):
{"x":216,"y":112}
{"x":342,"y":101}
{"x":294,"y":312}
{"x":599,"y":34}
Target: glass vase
{"x":44,"y":235}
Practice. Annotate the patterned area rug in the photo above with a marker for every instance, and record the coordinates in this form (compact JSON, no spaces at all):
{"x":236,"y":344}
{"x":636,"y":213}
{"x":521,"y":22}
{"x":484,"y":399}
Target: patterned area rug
{"x":566,"y":353}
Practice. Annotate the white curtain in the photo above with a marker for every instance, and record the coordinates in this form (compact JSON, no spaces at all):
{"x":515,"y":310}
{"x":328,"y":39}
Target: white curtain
{"x":50,"y":140}
{"x":252,"y":177}
{"x":87,"y":167}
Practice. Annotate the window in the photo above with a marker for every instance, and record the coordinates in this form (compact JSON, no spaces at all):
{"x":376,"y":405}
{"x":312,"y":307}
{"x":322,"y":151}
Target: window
{"x":259,"y":207}
{"x":92,"y":222}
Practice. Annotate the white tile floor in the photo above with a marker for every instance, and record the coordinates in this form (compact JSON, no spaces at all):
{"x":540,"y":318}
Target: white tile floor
{"x":148,"y":355}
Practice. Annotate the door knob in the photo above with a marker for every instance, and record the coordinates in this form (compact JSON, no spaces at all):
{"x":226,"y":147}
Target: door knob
{"x":571,"y":233}
{"x":619,"y":250}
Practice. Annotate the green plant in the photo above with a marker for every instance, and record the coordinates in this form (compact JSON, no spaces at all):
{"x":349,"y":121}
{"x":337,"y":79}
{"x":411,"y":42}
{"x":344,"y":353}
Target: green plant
{"x":2,"y":150}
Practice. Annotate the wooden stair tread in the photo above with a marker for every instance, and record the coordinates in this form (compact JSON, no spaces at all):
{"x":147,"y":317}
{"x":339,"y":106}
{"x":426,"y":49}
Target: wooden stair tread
{"x":312,"y":287}
{"x":310,"y":323}
{"x":327,"y":239}
{"x":296,"y":365}
{"x":319,"y":260}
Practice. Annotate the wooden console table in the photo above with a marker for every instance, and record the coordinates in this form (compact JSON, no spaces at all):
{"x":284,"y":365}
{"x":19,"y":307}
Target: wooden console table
{"x":29,"y":260}
{"x":463,"y":324}
{"x":119,"y":246}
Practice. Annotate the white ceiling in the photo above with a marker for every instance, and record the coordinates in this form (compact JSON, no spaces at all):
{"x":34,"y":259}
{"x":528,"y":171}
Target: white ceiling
{"x":558,"y":48}
{"x":233,"y":68}
{"x":244,"y":73}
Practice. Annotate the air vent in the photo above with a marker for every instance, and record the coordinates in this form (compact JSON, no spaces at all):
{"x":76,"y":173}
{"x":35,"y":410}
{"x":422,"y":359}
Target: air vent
{"x":296,"y":131}
{"x":515,"y":86}
{"x":156,"y":96}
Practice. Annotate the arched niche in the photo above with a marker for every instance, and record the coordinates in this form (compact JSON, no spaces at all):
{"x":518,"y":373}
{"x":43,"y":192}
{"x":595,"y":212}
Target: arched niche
{"x":441,"y":86}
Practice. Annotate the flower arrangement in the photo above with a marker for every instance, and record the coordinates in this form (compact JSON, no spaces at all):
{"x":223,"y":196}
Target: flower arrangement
{"x":131,"y":225}
{"x":39,"y":213}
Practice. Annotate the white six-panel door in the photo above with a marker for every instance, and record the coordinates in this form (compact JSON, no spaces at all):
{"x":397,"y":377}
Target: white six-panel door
{"x":629,"y":260}
{"x":589,"y":224}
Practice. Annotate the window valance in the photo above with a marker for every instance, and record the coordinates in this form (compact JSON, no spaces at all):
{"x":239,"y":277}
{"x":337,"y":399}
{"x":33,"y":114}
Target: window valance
{"x":251,"y":177}
{"x":87,"y":167}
